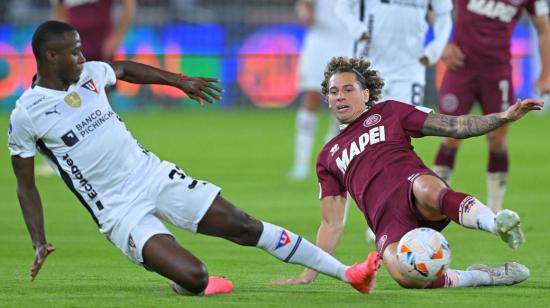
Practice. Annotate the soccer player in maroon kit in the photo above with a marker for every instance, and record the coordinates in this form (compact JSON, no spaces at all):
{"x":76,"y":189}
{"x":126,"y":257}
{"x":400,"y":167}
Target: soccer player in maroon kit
{"x":478,"y":63}
{"x":372,"y":159}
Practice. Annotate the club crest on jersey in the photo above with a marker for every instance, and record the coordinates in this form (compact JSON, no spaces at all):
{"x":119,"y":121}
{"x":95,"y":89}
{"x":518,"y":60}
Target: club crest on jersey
{"x":73,"y":100}
{"x":90,"y":85}
{"x":372,"y":120}
{"x":284,"y":240}
{"x":334,"y":149}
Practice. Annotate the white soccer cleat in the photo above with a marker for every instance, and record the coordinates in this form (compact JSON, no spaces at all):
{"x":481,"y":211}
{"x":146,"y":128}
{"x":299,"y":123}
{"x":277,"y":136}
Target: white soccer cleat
{"x":509,"y":229}
{"x":503,"y":275}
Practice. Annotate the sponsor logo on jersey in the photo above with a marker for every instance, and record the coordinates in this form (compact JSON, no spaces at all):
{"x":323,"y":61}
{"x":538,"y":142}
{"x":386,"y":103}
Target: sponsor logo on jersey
{"x":93,"y":121}
{"x":284,"y":240}
{"x":334,"y":149}
{"x":73,"y":100}
{"x":70,"y":138}
{"x":77,"y":174}
{"x":493,"y":9}
{"x":52,"y":111}
{"x":372,"y":120}
{"x":42,"y":97}
{"x":90,"y":85}
{"x":373,"y":136}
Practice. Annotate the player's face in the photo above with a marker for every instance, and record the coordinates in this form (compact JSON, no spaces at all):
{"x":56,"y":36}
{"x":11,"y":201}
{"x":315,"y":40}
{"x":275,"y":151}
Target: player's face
{"x":70,"y":58}
{"x":346,"y":98}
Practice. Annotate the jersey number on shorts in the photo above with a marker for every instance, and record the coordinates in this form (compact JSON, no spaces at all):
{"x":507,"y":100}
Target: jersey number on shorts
{"x":177,"y":172}
{"x":417,"y":97}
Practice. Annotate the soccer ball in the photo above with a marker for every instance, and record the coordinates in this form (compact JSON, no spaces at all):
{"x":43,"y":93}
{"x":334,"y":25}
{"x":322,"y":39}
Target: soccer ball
{"x":423,"y":254}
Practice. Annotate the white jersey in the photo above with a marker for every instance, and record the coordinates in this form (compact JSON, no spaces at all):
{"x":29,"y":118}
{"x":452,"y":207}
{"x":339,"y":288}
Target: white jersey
{"x":86,"y":141}
{"x":326,"y":38}
{"x":397,"y":33}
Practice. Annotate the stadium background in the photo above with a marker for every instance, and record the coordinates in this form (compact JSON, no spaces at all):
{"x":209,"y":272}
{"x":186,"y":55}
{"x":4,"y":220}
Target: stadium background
{"x":252,"y":45}
{"x":244,"y":144}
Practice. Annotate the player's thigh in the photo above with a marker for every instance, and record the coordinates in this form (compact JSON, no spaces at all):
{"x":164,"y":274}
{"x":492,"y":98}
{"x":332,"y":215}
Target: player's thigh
{"x":392,"y":266}
{"x":179,"y":198}
{"x":458,"y":91}
{"x":497,"y":92}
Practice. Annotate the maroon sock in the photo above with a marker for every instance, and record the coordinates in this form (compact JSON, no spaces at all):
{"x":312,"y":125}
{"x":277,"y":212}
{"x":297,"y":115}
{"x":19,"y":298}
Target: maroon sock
{"x":438,"y":283}
{"x":449,"y":203}
{"x":445,"y":156}
{"x":498,"y":162}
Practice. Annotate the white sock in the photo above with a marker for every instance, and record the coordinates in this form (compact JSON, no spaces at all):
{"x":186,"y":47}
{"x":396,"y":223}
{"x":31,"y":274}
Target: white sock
{"x":306,"y":126}
{"x":458,"y":279}
{"x":289,"y":247}
{"x":496,"y":187}
{"x":475,"y":215}
{"x":443,"y":172}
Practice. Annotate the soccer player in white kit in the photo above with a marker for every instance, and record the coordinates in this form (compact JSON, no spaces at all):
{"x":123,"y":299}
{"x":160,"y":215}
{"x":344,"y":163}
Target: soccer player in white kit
{"x":326,"y":37}
{"x":392,"y":37}
{"x":125,"y":188}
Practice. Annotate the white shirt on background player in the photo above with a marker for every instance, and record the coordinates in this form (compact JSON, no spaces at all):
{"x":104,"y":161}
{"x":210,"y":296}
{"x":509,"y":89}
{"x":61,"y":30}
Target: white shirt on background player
{"x":397,"y":34}
{"x":68,"y":128}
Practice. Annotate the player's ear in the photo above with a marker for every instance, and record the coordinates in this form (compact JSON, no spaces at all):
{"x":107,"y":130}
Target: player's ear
{"x":366,"y":95}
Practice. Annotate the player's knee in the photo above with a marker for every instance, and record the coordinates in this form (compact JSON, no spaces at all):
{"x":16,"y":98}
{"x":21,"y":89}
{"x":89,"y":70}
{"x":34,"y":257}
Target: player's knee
{"x":194,"y":280}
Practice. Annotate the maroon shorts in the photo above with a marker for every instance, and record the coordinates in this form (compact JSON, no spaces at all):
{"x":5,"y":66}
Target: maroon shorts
{"x":461,"y":88}
{"x":399,"y":215}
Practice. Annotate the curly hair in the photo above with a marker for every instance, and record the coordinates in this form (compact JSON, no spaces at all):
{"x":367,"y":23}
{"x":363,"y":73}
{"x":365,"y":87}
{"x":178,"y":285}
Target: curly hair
{"x":367,"y":77}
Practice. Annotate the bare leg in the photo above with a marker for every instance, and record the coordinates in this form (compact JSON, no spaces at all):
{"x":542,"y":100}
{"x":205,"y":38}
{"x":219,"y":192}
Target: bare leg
{"x":165,"y":256}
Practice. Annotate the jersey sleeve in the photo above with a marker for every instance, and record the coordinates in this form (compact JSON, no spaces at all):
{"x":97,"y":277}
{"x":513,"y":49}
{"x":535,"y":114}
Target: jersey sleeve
{"x":412,"y":117}
{"x":21,"y":136}
{"x":329,"y":185}
{"x":104,"y":71}
{"x":441,"y":6}
{"x":537,"y":7}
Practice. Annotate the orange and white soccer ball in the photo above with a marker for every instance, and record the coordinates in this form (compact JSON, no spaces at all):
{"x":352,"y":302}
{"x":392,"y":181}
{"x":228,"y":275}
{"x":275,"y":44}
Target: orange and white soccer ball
{"x":423,"y":254}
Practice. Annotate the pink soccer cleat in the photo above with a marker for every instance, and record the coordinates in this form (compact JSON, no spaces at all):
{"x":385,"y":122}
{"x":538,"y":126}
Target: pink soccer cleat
{"x":216,"y":285}
{"x":362,"y":276}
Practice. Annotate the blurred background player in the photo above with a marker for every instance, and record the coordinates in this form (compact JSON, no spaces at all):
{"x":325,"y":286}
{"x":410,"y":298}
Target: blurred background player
{"x":479,"y":69}
{"x":326,"y":37}
{"x":372,"y":159}
{"x":93,"y":20}
{"x":100,"y":30}
{"x":392,"y":36}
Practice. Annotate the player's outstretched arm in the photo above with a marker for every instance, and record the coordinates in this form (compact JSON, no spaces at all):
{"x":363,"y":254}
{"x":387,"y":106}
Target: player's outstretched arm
{"x":469,"y":126}
{"x":332,"y":225}
{"x":31,"y":206}
{"x":200,"y":89}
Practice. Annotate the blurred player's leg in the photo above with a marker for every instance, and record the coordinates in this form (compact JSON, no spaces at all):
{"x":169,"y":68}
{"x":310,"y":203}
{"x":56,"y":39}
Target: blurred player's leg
{"x":306,"y":127}
{"x":497,"y":169}
{"x":445,"y":158}
{"x":227,"y":221}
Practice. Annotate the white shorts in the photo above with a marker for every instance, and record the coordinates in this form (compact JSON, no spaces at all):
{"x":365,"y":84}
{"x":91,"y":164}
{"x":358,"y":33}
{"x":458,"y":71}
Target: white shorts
{"x":174,"y":197}
{"x":406,"y":91}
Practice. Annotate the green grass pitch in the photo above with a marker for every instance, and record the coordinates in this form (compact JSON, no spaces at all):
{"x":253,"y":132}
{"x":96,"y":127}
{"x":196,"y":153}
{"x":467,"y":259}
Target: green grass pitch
{"x":248,"y":154}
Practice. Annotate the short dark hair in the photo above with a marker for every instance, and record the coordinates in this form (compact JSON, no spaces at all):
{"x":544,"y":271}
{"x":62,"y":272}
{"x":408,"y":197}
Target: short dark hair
{"x":46,"y":32}
{"x":367,"y":77}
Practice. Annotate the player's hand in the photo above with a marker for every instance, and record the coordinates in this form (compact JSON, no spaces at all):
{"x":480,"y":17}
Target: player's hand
{"x":200,"y":89}
{"x":41,"y":253}
{"x":521,"y":108}
{"x":364,"y":37}
{"x":306,"y":277}
{"x":453,"y":57}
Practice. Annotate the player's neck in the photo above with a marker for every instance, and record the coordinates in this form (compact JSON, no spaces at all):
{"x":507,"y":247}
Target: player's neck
{"x":46,"y":79}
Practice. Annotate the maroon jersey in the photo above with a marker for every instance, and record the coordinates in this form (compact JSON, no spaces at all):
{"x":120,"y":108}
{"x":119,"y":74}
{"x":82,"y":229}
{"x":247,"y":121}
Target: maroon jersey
{"x":483,"y":29}
{"x":373,"y":156}
{"x":92,"y":20}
